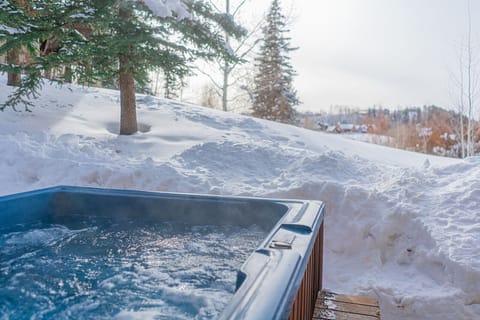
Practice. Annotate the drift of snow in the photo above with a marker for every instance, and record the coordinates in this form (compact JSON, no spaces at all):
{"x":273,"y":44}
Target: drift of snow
{"x":400,"y":226}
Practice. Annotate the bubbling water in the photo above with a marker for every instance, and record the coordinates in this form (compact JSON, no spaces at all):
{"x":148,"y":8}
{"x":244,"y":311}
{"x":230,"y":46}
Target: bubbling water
{"x":161,"y":271}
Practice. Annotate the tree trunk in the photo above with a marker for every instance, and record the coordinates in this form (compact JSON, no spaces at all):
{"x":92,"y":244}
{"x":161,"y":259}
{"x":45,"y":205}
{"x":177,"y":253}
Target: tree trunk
{"x":128,"y":116}
{"x":225,"y":87}
{"x":226,"y":67}
{"x":128,"y":111}
{"x":462,"y":135}
{"x":13,"y":57}
{"x":67,"y":71}
{"x":471,"y":93}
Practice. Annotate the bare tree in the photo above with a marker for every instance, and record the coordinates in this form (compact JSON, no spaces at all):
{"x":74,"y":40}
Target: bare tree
{"x":472,"y":85}
{"x":209,"y":98}
{"x":166,"y":84}
{"x":461,"y":109}
{"x":230,"y":74}
{"x":467,"y":85}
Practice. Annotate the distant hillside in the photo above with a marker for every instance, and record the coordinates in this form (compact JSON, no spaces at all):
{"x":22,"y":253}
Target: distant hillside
{"x":430,"y":129}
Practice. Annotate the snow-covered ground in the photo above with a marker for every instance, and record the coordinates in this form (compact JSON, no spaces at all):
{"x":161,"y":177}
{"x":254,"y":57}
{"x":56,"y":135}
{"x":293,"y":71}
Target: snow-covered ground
{"x":400,"y":226}
{"x":371,"y":138}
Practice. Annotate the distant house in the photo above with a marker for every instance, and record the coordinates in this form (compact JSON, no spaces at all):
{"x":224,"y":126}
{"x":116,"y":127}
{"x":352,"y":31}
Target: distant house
{"x":24,"y":57}
{"x":344,"y":127}
{"x":50,"y":46}
{"x":323,"y":126}
{"x":331,"y":129}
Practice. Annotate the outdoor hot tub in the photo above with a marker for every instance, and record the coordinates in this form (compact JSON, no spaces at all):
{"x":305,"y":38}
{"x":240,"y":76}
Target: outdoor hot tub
{"x":74,"y":252}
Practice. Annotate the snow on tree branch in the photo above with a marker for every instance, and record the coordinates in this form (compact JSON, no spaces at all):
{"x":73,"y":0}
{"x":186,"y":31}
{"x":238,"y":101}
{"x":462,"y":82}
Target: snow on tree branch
{"x":10,"y":30}
{"x":165,"y":8}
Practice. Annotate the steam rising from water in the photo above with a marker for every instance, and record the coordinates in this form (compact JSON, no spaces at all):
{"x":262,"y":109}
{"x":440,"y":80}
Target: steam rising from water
{"x":164,"y":271}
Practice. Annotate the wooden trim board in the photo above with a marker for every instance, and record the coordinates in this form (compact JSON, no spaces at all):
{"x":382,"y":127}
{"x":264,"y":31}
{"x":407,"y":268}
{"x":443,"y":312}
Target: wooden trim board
{"x":332,"y":306}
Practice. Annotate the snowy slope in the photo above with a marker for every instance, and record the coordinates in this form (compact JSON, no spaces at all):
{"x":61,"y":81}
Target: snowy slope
{"x":400,"y":226}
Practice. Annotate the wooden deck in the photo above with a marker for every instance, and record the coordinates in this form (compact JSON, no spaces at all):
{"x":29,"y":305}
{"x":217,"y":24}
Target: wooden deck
{"x":331,"y":306}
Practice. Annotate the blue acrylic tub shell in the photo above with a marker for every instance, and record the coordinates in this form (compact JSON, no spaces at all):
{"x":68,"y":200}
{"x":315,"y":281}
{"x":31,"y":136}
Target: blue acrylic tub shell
{"x":268,"y":281}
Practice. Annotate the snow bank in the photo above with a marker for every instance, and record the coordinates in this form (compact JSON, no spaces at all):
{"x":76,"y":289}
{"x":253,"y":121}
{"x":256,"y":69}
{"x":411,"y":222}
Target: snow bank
{"x":401,"y":226}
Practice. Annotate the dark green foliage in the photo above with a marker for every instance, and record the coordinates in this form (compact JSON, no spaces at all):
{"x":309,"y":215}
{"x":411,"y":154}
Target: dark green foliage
{"x":91,"y":36}
{"x":274,"y":95}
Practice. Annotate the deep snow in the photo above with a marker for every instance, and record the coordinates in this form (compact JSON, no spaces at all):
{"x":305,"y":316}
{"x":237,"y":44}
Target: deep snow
{"x":401,"y":226}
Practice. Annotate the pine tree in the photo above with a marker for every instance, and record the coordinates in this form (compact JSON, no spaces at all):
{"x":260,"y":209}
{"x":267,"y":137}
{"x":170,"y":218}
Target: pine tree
{"x":128,"y":39}
{"x":274,"y":95}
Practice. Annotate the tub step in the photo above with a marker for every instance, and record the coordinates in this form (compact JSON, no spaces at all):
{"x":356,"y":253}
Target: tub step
{"x":332,"y":306}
